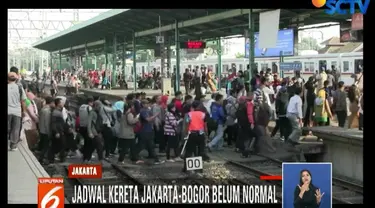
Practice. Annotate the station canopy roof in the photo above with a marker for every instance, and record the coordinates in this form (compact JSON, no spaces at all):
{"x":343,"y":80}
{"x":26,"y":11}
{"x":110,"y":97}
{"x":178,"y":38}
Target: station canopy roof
{"x":194,"y":24}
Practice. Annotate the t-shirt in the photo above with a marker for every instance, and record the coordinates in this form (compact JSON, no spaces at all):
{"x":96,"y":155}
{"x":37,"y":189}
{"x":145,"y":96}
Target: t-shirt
{"x":14,"y":101}
{"x":146,"y":125}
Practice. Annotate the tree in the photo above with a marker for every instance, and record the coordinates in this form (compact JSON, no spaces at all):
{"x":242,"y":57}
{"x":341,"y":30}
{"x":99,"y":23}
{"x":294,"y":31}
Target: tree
{"x":240,"y":55}
{"x":309,"y":43}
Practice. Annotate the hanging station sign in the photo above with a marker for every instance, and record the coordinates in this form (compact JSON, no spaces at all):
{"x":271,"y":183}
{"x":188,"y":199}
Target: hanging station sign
{"x":193,"y":45}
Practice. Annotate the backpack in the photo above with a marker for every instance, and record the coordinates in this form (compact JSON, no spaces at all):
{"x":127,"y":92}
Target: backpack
{"x":69,"y":121}
{"x":235,"y":84}
{"x":211,"y":123}
{"x":241,"y":115}
{"x":99,"y":125}
{"x":225,"y":103}
{"x":231,"y":106}
{"x":282,"y":103}
{"x":263,"y":111}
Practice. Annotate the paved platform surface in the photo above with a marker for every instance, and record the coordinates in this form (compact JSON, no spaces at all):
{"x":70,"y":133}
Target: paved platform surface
{"x":23,"y":172}
{"x":116,"y":91}
{"x":354,"y":134}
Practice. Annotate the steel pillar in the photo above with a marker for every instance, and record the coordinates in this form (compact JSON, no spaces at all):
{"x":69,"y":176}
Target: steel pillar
{"x":60,"y":64}
{"x":86,"y":68}
{"x":71,"y":59}
{"x":251,"y":45}
{"x":33,"y":62}
{"x":281,"y":60}
{"x":114,"y":58}
{"x":177,"y":42}
{"x":134,"y":63}
{"x":123,"y":59}
{"x":163,"y":54}
{"x":50,"y":61}
{"x":105,"y":56}
{"x":219,"y":64}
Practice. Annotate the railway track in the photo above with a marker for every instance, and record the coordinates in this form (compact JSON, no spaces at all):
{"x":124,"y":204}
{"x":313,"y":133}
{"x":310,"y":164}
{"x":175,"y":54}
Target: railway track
{"x":343,"y":191}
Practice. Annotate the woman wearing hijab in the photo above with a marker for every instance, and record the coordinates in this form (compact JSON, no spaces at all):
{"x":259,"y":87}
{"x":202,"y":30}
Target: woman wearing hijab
{"x":171,"y":132}
{"x":119,"y":110}
{"x":321,"y":108}
{"x":30,"y":121}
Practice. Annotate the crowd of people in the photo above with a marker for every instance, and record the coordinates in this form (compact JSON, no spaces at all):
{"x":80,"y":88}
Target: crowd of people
{"x":136,"y":123}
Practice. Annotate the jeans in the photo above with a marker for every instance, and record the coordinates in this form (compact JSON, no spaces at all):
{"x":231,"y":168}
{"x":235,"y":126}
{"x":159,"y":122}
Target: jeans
{"x":218,"y":140}
{"x":296,"y":129}
{"x":14,"y":128}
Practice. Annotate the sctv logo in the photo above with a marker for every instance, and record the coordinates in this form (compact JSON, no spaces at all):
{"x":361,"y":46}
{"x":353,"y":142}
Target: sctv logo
{"x":335,"y":6}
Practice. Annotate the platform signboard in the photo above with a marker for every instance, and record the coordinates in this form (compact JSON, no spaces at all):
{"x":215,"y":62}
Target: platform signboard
{"x":284,"y":44}
{"x":291,"y":66}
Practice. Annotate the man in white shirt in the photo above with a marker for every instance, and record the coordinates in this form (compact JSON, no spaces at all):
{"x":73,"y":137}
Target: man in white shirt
{"x":295,"y":116}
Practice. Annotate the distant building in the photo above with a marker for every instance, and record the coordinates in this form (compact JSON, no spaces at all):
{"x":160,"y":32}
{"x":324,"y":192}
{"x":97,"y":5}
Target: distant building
{"x":333,"y":45}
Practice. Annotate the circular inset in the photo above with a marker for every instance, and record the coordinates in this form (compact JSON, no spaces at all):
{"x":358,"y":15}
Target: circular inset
{"x":318,"y":3}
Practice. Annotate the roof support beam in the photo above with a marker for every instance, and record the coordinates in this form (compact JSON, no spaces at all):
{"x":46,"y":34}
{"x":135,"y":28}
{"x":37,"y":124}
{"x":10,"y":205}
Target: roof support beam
{"x":99,"y":42}
{"x":101,"y":17}
{"x":197,"y":21}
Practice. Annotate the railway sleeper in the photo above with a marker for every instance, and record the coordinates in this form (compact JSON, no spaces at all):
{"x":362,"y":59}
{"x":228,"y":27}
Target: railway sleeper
{"x":355,"y":199}
{"x":345,"y":194}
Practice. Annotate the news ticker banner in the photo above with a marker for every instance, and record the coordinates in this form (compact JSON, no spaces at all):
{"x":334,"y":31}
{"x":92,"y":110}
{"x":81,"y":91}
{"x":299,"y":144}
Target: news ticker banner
{"x":51,"y":192}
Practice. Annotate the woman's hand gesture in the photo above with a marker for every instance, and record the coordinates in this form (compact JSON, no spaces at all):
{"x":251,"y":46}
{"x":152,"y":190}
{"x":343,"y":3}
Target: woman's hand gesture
{"x":304,"y":187}
{"x":318,"y":196}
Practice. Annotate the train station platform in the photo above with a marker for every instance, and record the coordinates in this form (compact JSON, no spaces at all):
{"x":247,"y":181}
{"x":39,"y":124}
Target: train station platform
{"x":344,"y":148}
{"x":23,"y":171}
{"x":115,"y":94}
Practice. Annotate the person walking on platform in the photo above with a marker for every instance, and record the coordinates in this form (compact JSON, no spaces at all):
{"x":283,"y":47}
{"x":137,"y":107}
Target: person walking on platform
{"x":83,"y":113}
{"x":127,"y":136}
{"x":262,"y":115}
{"x":245,"y":116}
{"x":339,"y":104}
{"x":281,"y":105}
{"x":95,"y":126}
{"x":106,"y":112}
{"x":218,"y":115}
{"x":16,"y":109}
{"x":171,"y":132}
{"x":146,"y":135}
{"x":187,"y":77}
{"x":196,"y":129}
{"x":45,"y":127}
{"x":58,"y":142}
{"x":295,"y":116}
